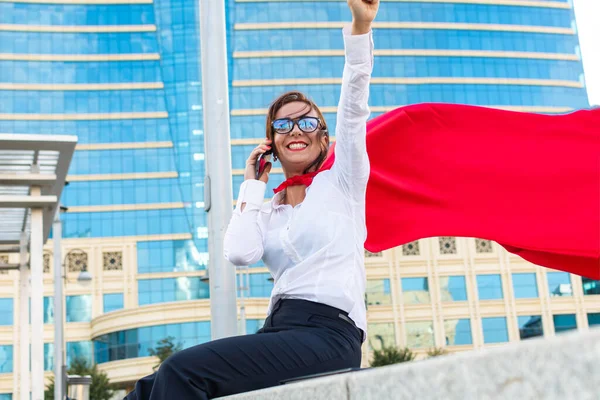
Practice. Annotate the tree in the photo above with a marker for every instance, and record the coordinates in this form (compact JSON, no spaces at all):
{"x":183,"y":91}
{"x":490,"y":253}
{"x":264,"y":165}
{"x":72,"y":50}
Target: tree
{"x":100,"y":389}
{"x":391,"y":355}
{"x":437,"y":351}
{"x":164,"y":349}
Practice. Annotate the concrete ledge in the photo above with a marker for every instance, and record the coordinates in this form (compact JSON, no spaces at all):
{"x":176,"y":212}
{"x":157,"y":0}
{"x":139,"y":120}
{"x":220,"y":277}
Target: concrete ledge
{"x":563,"y":367}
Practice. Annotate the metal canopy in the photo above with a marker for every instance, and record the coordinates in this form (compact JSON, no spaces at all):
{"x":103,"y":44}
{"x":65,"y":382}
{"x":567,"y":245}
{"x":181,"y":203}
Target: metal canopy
{"x":33,"y":169}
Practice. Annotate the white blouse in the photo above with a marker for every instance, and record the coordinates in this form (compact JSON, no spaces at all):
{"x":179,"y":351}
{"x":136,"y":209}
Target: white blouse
{"x":315,"y":251}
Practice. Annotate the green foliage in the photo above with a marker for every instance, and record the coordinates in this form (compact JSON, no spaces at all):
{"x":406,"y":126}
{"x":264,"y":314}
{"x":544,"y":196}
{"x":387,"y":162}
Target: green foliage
{"x":100,"y":389}
{"x":164,"y":349}
{"x":437,"y":351}
{"x":391,"y":355}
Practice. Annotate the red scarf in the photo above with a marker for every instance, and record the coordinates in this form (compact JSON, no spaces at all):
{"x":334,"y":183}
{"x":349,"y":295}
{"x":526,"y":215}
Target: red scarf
{"x":530,"y":182}
{"x":305,"y":179}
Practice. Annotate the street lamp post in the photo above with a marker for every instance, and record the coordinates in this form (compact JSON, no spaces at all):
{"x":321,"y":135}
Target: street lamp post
{"x":60,"y":275}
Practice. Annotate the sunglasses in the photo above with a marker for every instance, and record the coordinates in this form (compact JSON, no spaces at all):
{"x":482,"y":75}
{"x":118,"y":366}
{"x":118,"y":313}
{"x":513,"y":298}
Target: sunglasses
{"x":305,"y":124}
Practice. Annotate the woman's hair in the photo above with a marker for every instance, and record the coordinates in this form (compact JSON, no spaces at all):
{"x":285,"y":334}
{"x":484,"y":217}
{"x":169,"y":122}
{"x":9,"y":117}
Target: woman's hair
{"x":291,"y":97}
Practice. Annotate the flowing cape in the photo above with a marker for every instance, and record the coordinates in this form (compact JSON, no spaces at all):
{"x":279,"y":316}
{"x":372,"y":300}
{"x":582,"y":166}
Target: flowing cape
{"x":530,"y":182}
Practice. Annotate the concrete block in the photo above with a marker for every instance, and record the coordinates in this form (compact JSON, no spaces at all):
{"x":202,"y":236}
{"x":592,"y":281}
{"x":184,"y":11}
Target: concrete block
{"x":563,"y":367}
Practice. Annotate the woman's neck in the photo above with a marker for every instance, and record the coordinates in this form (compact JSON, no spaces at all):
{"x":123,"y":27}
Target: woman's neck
{"x":294,"y":195}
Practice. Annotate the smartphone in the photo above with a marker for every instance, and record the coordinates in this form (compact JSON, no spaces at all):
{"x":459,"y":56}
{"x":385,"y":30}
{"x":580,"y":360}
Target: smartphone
{"x":262,"y":161}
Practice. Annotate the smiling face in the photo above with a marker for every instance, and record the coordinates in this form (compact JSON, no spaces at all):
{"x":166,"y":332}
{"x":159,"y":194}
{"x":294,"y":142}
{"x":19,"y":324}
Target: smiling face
{"x":298,"y":151}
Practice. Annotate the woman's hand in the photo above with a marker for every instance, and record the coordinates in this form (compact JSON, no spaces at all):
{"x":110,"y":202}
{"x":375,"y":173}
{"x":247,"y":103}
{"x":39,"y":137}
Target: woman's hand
{"x":363,"y":13}
{"x":250,"y":172}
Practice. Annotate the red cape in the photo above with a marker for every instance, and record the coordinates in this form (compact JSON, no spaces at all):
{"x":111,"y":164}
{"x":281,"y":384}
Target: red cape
{"x":530,"y":182}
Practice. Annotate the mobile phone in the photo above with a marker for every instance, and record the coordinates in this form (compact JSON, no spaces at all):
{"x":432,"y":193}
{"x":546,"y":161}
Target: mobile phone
{"x":262,"y":161}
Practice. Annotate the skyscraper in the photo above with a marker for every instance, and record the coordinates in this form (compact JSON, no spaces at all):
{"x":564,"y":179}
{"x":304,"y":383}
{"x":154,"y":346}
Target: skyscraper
{"x":125,"y":77}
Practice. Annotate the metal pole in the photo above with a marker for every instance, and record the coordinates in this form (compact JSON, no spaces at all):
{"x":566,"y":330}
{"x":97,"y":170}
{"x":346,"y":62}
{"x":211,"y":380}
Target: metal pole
{"x":24,"y":387}
{"x":217,"y":185}
{"x":37,"y":300}
{"x":59,"y":389}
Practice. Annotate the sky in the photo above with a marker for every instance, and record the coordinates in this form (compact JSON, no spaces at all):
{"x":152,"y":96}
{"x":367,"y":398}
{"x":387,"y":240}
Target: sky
{"x":587,"y":14}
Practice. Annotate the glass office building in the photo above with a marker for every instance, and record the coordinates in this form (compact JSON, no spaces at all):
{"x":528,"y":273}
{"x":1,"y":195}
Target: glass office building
{"x":125,"y":77}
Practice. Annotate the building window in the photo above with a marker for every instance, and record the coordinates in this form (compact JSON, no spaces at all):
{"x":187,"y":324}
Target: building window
{"x":77,"y":261}
{"x":453,"y":288}
{"x":447,"y":245}
{"x":378,"y":292}
{"x":564,"y":322}
{"x":6,"y":358}
{"x":260,"y":285}
{"x":411,"y":249}
{"x":559,"y":284}
{"x":113,"y":302}
{"x":48,"y":356}
{"x":136,"y":342}
{"x":489,"y":287}
{"x":415,"y":291}
{"x":483,"y":246}
{"x":458,"y":332}
{"x":253,"y":325}
{"x":593,"y":319}
{"x":525,"y":286}
{"x":381,"y":335}
{"x":152,"y":291}
{"x":590,"y":287}
{"x":530,"y":326}
{"x":79,"y":308}
{"x":79,"y":351}
{"x":6,"y":396}
{"x":170,"y":256}
{"x":419,"y":334}
{"x":48,"y":310}
{"x":6,"y":311}
{"x":112,"y":261}
{"x":494,"y":330}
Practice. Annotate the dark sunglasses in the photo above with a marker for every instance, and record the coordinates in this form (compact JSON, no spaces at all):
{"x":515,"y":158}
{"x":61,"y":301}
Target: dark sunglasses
{"x":305,"y":124}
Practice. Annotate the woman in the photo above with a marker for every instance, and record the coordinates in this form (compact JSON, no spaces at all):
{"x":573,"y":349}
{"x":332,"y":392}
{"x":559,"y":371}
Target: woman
{"x":310,"y":237}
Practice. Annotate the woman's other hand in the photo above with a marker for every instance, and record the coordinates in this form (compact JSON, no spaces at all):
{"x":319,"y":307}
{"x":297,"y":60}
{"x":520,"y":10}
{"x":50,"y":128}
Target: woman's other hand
{"x":363,"y":14}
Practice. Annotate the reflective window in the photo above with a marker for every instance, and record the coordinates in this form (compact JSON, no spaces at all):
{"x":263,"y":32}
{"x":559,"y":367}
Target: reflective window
{"x":378,"y":292}
{"x":489,"y":287}
{"x":458,"y":332}
{"x":6,"y":396}
{"x":113,"y":301}
{"x":494,"y":330}
{"x":564,"y":322}
{"x":415,"y":290}
{"x":530,"y":326}
{"x":590,"y":287}
{"x":48,"y":356}
{"x":136,"y":342}
{"x":6,"y":358}
{"x":593,"y":319}
{"x":381,"y":335}
{"x":260,"y":285}
{"x":79,"y":350}
{"x":419,"y":334}
{"x":6,"y":311}
{"x":171,"y":256}
{"x":152,"y":291}
{"x":127,"y":223}
{"x":48,"y":310}
{"x":525,"y":286}
{"x":453,"y":288}
{"x":79,"y":308}
{"x":253,"y":325}
{"x":559,"y":284}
